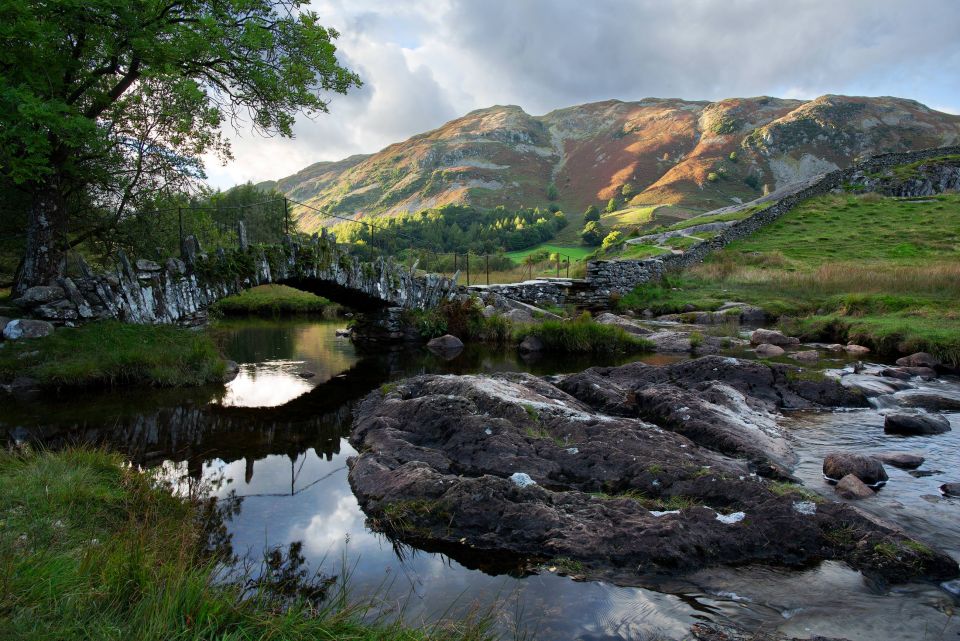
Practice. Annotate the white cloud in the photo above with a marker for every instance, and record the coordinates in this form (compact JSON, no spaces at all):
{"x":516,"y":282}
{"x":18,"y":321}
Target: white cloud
{"x":426,"y":62}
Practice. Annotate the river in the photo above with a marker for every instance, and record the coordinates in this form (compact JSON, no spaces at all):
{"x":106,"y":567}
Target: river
{"x":275,"y":438}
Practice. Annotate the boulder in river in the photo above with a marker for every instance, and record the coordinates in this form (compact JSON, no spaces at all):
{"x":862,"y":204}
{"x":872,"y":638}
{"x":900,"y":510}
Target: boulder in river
{"x":440,"y":458}
{"x":906,"y":373}
{"x":810,"y":355}
{"x":856,"y":350}
{"x":531,"y":345}
{"x":766,"y":350}
{"x":930,"y":399}
{"x":852,"y":488}
{"x":773,"y":337}
{"x":903,"y":460}
{"x":950,"y":489}
{"x":445,"y":344}
{"x":919,"y":359}
{"x":915,"y":423}
{"x":837,"y":465}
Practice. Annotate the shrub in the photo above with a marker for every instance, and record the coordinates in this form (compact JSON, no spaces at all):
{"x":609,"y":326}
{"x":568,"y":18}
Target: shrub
{"x":713,"y":177}
{"x":611,"y":239}
{"x":591,"y":214}
{"x":592,"y":234}
{"x":752,"y":181}
{"x":733,"y":156}
{"x":627,"y":191}
{"x":552,"y":193}
{"x":611,"y":205}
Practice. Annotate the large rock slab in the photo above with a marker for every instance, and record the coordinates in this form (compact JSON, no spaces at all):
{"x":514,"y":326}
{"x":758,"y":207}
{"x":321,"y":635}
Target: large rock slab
{"x":724,"y":403}
{"x":511,"y":467}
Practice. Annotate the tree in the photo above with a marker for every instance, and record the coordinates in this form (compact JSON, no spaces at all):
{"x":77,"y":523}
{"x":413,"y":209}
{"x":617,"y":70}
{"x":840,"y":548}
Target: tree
{"x":105,"y":104}
{"x":592,"y":234}
{"x":612,"y":239}
{"x":611,"y":205}
{"x":552,"y":193}
{"x":626,"y":191}
{"x":591,"y":214}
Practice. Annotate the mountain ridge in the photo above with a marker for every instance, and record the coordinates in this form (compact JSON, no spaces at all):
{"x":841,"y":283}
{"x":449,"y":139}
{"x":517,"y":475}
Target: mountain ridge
{"x":691,"y":155}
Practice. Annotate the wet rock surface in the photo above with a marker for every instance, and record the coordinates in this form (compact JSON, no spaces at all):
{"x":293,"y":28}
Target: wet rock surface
{"x":866,"y":468}
{"x":903,"y":460}
{"x":724,"y":403}
{"x":852,"y":488}
{"x":915,"y":423}
{"x":619,"y":497}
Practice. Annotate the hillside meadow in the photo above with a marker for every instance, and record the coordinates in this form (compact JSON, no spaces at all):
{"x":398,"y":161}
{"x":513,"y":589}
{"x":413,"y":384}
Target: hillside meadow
{"x":884,"y":272}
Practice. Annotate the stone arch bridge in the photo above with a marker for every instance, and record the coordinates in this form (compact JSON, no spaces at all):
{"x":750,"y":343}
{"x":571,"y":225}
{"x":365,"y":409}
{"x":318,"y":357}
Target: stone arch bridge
{"x":180,"y":290}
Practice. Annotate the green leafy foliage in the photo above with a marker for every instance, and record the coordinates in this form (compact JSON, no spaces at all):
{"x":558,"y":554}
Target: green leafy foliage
{"x":107,"y":104}
{"x":591,"y":214}
{"x":593,"y":234}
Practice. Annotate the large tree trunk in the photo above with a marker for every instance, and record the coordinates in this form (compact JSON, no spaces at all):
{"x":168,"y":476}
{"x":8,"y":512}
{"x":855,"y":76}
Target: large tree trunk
{"x":45,"y":248}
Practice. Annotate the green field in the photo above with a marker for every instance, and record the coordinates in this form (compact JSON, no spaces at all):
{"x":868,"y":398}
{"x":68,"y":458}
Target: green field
{"x":884,"y":272}
{"x":630,"y":216}
{"x":575,"y":253}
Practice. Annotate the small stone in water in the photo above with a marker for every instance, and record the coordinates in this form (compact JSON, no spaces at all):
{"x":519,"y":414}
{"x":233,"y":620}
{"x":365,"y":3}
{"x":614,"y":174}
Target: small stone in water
{"x":572,"y":450}
{"x":522,"y":479}
{"x":488,"y":431}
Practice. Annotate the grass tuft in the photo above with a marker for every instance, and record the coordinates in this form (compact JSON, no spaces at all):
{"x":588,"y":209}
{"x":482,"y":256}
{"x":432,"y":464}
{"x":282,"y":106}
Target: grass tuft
{"x":274,"y":300}
{"x":583,"y":335}
{"x":111,"y":353}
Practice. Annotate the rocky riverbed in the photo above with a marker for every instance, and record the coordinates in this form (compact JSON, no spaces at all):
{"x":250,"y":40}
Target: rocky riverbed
{"x":623,"y":473}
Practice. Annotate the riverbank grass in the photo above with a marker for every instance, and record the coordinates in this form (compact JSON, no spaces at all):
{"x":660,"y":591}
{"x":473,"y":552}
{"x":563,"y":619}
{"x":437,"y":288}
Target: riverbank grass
{"x":582,"y":335}
{"x":274,"y":300}
{"x":111,"y":353}
{"x":882,"y":272}
{"x":91,"y":548}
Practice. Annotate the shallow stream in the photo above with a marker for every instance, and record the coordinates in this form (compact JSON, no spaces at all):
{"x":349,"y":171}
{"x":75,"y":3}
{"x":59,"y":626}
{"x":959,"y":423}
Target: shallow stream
{"x":277,"y":439}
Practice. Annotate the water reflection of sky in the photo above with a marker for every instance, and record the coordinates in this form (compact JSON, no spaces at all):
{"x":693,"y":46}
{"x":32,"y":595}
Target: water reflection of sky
{"x":267,"y":384}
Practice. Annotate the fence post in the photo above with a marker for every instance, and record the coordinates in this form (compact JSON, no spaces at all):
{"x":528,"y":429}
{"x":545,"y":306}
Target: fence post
{"x":487,"y":256}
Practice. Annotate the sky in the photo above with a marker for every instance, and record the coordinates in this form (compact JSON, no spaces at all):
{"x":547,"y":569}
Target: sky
{"x":425,"y":62}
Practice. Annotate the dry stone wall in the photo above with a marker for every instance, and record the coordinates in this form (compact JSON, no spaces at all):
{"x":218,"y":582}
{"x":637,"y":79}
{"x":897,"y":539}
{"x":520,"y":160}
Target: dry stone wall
{"x":606,"y":279}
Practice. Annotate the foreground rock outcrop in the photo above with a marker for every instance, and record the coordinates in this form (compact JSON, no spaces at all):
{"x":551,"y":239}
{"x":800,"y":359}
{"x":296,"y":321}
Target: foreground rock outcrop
{"x":722,"y":403}
{"x":513,"y":467}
